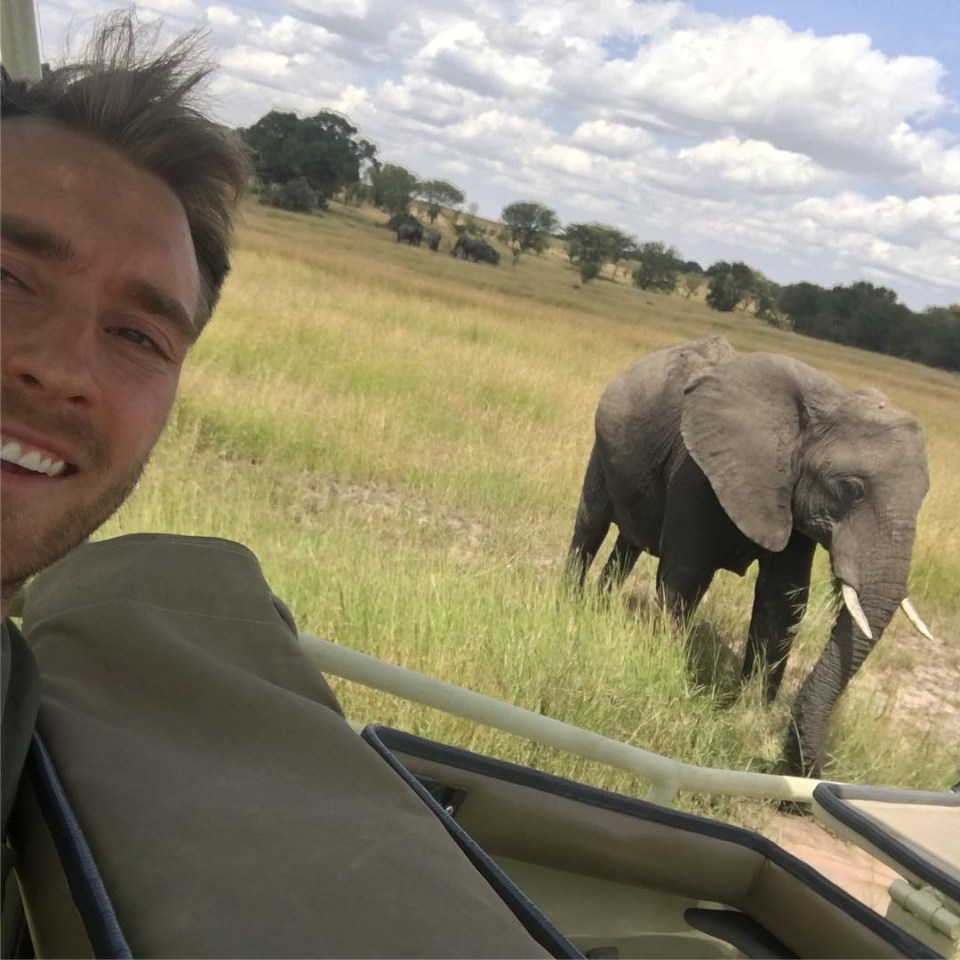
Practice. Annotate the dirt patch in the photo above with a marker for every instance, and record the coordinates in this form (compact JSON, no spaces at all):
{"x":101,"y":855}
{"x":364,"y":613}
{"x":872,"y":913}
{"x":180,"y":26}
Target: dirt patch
{"x":398,"y":508}
{"x":926,"y":689}
{"x":849,"y":867}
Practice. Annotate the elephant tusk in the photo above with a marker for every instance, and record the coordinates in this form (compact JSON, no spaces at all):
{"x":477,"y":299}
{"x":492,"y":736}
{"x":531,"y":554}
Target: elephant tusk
{"x":911,"y":611}
{"x":852,"y":603}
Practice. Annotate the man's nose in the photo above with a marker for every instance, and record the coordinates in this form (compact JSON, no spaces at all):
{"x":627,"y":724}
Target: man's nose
{"x":55,"y":362}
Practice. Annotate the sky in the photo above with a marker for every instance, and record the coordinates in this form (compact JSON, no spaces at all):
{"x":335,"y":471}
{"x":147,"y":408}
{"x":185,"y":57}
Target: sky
{"x":815,"y":140}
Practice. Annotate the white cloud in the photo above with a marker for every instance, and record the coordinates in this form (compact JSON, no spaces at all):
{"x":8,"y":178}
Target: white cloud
{"x":755,"y":165}
{"x":222,"y":17}
{"x":612,"y":139}
{"x":463,"y":54}
{"x":254,"y":62}
{"x":818,"y":157}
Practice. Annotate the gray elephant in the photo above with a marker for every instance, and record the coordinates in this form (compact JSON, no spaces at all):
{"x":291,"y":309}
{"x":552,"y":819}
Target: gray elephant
{"x":476,"y":249}
{"x":433,"y":239}
{"x":710,"y":459}
{"x":410,"y":231}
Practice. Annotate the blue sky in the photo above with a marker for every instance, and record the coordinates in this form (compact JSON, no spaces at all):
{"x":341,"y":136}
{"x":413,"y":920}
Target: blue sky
{"x":815,"y":141}
{"x":924,"y":27}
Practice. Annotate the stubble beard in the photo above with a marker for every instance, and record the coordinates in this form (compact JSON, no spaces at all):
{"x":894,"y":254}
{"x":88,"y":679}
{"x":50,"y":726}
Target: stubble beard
{"x":35,"y":545}
{"x":27,"y":555}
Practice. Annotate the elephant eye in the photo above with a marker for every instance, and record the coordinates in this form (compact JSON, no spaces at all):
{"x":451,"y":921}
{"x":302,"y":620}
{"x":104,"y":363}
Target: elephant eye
{"x":853,"y":489}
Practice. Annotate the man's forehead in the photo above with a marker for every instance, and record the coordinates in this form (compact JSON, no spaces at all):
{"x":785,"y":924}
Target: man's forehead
{"x":65,"y":188}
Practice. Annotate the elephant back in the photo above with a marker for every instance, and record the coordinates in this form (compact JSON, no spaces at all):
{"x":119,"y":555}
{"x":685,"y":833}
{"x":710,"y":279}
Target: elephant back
{"x":638,"y":431}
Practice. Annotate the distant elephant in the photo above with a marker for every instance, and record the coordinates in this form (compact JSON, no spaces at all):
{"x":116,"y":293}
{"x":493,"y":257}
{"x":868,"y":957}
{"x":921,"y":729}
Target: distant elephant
{"x":710,"y":459}
{"x":476,"y":249}
{"x":433,"y":239}
{"x":410,"y":231}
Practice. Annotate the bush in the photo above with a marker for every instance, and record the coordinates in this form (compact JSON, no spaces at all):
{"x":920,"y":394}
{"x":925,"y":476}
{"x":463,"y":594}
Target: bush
{"x":296,"y":195}
{"x":589,"y":270}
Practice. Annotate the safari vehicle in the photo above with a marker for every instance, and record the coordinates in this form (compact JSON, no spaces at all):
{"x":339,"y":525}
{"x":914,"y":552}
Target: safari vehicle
{"x":589,"y":872}
{"x":634,"y":878}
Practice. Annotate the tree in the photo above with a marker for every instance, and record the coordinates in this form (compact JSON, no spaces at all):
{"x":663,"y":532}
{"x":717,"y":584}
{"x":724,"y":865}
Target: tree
{"x":802,"y":303}
{"x":730,"y":285}
{"x":596,"y":244}
{"x":294,"y":195}
{"x":691,"y":283}
{"x":392,"y":187}
{"x":658,"y":266}
{"x":324,"y":150}
{"x":531,"y":224}
{"x":439,"y":194}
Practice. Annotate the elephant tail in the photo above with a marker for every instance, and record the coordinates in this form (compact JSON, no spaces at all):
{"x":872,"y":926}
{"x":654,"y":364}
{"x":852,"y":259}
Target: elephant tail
{"x":594,"y":516}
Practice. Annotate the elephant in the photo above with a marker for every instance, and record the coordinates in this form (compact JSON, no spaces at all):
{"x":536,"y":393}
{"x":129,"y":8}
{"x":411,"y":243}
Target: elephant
{"x":411,"y":231}
{"x":711,"y":459}
{"x":476,"y":249}
{"x":433,"y":239}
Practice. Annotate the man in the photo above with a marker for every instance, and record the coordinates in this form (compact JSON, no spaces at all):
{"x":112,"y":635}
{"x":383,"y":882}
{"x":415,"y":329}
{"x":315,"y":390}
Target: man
{"x":117,"y":212}
{"x":228,"y":808}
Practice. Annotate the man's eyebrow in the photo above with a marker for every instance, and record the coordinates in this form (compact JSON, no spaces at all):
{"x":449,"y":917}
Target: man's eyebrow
{"x":36,"y":239}
{"x":151,"y":298}
{"x":45,"y":243}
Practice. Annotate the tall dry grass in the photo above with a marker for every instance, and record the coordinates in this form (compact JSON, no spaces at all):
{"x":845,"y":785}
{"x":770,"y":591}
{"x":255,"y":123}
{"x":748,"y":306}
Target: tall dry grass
{"x":401,"y":436}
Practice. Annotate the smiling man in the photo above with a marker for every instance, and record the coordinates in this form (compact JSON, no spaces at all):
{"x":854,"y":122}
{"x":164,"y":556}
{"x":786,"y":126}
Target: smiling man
{"x":99,"y":285}
{"x":225,"y":806}
{"x":117,"y":208}
{"x":118,"y":202}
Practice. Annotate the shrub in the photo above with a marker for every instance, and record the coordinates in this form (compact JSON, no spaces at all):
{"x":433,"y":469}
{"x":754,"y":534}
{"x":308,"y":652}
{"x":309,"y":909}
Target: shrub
{"x":296,"y":195}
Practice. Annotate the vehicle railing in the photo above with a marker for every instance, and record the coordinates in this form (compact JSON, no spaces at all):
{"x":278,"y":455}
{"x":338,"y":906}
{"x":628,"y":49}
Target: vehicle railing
{"x":666,"y":776}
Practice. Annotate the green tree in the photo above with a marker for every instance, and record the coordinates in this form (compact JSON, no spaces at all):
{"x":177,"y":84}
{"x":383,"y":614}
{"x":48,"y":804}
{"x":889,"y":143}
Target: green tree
{"x":325,"y":150}
{"x":392,"y":187}
{"x":658,"y":266}
{"x":595,"y":244}
{"x":294,"y":195}
{"x":730,"y":285}
{"x":531,"y":224}
{"x":691,"y":283}
{"x":439,"y":194}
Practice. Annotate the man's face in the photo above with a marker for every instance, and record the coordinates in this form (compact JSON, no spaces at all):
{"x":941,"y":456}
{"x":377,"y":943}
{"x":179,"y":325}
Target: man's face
{"x":99,"y":287}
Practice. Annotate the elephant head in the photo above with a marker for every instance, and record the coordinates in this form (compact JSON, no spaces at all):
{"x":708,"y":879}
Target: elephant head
{"x":710,"y":459}
{"x":787,"y":449}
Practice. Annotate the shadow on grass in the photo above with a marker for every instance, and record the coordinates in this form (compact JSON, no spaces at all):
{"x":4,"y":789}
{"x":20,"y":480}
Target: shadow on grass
{"x":712,"y":663}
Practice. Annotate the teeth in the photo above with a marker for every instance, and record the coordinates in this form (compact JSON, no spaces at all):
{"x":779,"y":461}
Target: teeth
{"x":31,"y":459}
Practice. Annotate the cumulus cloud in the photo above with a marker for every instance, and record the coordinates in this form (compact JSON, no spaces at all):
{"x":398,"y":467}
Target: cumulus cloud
{"x":744,"y":138}
{"x":755,"y":164}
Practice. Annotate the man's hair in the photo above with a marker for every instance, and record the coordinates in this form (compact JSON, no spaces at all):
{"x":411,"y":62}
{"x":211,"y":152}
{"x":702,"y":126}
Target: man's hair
{"x":143,"y":105}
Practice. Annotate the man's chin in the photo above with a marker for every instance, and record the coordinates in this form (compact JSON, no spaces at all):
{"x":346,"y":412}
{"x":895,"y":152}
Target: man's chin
{"x":29,"y":545}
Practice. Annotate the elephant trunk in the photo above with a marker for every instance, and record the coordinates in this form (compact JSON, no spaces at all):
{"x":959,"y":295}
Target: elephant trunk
{"x":860,"y":623}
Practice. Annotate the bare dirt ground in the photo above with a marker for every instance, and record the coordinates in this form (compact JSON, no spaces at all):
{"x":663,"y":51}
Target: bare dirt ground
{"x":929,"y":688}
{"x":849,"y":867}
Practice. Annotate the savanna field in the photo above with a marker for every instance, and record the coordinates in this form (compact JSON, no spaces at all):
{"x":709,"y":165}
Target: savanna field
{"x":401,"y":438}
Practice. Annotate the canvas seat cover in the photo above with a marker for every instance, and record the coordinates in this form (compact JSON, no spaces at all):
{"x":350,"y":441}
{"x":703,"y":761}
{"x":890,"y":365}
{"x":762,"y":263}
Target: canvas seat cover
{"x":231,"y":810}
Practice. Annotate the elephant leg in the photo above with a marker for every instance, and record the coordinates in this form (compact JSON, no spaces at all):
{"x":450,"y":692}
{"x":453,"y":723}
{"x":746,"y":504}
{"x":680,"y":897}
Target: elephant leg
{"x":779,"y":603}
{"x":623,"y":558}
{"x":594,"y":516}
{"x":695,"y":537}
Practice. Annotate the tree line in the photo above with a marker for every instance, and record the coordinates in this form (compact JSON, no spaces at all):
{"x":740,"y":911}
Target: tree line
{"x":301,"y":163}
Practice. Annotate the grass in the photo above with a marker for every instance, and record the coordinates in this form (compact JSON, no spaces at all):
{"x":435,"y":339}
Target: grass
{"x":400,"y":436}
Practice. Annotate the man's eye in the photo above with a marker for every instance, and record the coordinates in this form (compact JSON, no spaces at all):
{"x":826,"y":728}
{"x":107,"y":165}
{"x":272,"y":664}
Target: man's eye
{"x":7,"y":277}
{"x":139,"y":339}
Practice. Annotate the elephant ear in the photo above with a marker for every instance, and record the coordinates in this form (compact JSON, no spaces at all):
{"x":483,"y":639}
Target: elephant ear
{"x":741,"y":423}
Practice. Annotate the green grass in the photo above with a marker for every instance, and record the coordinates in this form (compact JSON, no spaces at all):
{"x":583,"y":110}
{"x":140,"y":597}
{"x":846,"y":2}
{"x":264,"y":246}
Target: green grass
{"x":400,"y":436}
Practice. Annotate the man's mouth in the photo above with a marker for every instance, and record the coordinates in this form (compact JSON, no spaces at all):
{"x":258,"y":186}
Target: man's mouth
{"x":32,"y":459}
